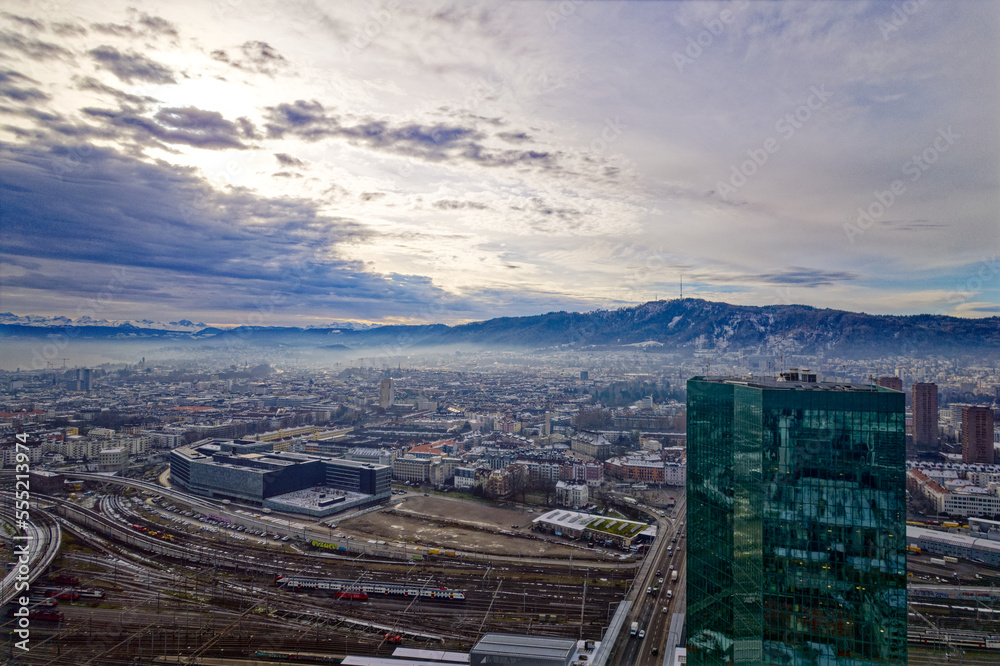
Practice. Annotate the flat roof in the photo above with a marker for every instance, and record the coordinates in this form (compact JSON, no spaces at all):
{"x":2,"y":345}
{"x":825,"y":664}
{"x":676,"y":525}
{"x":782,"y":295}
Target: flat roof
{"x":773,"y":383}
{"x":518,"y":645}
{"x":432,"y":655}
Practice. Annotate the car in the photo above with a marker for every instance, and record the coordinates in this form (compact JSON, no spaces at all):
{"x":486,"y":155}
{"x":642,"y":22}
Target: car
{"x":649,"y":590}
{"x":664,"y":609}
{"x":659,"y":573}
{"x":660,"y":581}
{"x":426,"y":494}
{"x":655,"y":650}
{"x":642,"y":633}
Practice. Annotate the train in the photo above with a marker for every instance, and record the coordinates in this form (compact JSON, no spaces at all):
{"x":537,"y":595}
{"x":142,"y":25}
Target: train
{"x":964,"y":639}
{"x":310,"y":657}
{"x":63,"y":595}
{"x":359,"y":596}
{"x":368,"y":588}
{"x":46,"y":615}
{"x":66,"y":579}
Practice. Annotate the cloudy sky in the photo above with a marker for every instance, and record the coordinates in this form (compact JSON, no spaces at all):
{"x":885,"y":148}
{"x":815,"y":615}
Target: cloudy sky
{"x":300,"y":162}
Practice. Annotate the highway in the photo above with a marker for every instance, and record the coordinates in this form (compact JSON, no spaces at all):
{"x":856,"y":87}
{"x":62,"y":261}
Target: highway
{"x":647,"y":608}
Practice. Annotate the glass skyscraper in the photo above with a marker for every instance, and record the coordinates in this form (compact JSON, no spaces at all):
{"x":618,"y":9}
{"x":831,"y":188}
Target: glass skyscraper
{"x":796,"y":523}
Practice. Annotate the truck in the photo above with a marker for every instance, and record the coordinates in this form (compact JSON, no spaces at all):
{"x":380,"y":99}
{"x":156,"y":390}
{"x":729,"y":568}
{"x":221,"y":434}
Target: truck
{"x":634,"y":629}
{"x":673,"y":576}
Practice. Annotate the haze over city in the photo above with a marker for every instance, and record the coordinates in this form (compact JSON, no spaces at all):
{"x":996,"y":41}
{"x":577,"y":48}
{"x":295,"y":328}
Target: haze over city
{"x":447,"y":162}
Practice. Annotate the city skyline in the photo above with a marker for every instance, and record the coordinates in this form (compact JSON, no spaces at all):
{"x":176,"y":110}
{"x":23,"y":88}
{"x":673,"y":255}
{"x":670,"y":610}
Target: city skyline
{"x":386,"y":163}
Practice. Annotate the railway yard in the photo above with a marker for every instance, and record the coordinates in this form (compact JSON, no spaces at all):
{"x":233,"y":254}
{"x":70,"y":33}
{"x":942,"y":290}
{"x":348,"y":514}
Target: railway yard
{"x":146,"y":575}
{"x":164,"y":578}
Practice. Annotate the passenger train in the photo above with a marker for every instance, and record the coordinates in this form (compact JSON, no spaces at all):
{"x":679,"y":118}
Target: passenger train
{"x":368,"y":588}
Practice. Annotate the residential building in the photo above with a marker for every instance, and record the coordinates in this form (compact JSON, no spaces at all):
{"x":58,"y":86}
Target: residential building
{"x":977,"y":435}
{"x":925,"y":416}
{"x":573,"y":495}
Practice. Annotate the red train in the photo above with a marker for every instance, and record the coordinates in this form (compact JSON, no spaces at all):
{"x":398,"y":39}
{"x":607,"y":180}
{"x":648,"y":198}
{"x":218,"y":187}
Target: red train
{"x":46,"y":615}
{"x":66,"y":579}
{"x":65,"y":595}
{"x":360,"y":596}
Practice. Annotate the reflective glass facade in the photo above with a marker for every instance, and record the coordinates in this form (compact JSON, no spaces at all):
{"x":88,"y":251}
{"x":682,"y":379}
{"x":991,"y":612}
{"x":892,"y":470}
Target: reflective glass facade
{"x":796,"y":523}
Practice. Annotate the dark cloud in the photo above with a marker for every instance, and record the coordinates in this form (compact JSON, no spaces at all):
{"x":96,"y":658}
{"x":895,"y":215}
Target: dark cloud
{"x":131,"y":65}
{"x":804,"y":277}
{"x":188,"y":125}
{"x":66,"y":29}
{"x":287,"y":160}
{"x":181,"y":241}
{"x":287,"y":174}
{"x":33,"y":48}
{"x":514,"y":137}
{"x":25,"y":21}
{"x":157,"y":25}
{"x":90,"y":83}
{"x":912,"y":225}
{"x":451,"y":204}
{"x":10,"y":89}
{"x":119,"y":30}
{"x":434,"y":142}
{"x":371,"y":196}
{"x":253,"y":56}
{"x":246,"y":128}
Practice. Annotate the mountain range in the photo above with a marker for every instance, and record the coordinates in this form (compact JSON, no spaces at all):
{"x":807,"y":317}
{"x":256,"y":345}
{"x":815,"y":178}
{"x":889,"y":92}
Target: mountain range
{"x":680,"y":325}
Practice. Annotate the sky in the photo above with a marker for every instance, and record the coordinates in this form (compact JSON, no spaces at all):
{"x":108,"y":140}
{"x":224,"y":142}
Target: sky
{"x":301,"y":163}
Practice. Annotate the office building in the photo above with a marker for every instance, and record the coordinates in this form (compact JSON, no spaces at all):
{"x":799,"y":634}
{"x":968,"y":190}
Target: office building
{"x":796,"y":523}
{"x":977,"y":435}
{"x":925,"y":416}
{"x":254,"y":473}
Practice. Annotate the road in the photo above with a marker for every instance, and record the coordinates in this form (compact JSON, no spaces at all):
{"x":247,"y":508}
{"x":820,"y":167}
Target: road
{"x":648,"y":608}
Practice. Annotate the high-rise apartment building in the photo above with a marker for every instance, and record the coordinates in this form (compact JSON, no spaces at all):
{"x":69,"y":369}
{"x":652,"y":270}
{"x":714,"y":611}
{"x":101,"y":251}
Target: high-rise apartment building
{"x":894,"y":383}
{"x":977,"y":435}
{"x":386,"y":394}
{"x":925,"y":416}
{"x":796,"y":523}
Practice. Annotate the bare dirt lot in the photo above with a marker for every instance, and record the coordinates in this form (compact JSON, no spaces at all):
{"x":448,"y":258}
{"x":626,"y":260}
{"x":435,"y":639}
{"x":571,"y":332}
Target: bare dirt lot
{"x":463,"y":525}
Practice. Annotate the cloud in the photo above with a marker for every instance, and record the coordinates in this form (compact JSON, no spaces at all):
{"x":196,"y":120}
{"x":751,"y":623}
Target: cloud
{"x":287,"y":160}
{"x":310,"y":121}
{"x":35,"y":49}
{"x":90,"y":83}
{"x":140,"y":25}
{"x":67,"y":29}
{"x":188,"y":125}
{"x":131,"y":65}
{"x":24,"y":21}
{"x":157,"y":25}
{"x":81,"y":211}
{"x":16,"y":93}
{"x":451,"y":204}
{"x":804,"y":277}
{"x":255,"y":56}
